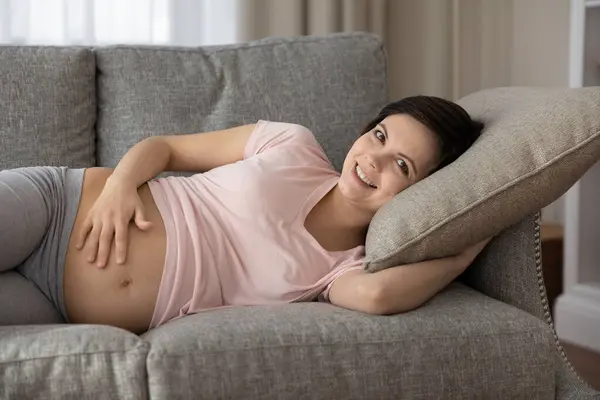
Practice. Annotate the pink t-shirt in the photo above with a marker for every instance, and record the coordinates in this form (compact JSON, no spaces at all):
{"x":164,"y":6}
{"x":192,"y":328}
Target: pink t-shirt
{"x":236,"y":235}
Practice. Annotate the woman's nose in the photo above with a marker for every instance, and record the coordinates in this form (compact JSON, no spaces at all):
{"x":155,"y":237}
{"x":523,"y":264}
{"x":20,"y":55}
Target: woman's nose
{"x":373,"y":162}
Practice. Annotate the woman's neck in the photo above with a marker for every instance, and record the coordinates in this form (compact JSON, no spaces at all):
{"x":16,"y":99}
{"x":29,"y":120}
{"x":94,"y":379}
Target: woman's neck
{"x":336,"y":224}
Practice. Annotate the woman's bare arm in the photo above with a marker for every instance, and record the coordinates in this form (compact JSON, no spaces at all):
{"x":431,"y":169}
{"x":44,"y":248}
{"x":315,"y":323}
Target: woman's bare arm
{"x":199,"y":152}
{"x":402,"y":288}
{"x":119,"y":202}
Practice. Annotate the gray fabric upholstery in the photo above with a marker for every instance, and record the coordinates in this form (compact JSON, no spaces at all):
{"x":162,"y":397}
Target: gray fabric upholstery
{"x":47,"y":106}
{"x":71,"y":362}
{"x":333,"y":87}
{"x":487,"y":337}
{"x":509,"y":270}
{"x":500,"y":273}
{"x":460,"y":345}
{"x":569,"y":386}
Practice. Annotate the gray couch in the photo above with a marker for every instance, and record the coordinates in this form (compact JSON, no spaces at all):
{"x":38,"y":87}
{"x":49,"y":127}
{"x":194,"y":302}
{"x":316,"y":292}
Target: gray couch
{"x":488,"y":335}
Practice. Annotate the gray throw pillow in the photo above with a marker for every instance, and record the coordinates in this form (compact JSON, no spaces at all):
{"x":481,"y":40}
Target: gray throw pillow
{"x":536,"y":144}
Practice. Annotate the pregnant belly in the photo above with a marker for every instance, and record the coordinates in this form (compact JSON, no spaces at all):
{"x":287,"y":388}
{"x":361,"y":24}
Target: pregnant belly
{"x":122,"y":295}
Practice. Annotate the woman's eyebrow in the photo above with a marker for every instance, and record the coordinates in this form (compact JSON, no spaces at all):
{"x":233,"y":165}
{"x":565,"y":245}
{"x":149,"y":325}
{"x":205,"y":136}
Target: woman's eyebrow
{"x":384,"y":128}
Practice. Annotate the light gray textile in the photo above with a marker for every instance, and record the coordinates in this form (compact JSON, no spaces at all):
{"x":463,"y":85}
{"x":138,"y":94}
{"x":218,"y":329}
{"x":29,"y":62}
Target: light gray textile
{"x":38,"y":206}
{"x":47,"y":106}
{"x":71,"y":362}
{"x":333,"y":86}
{"x":536,"y":144}
{"x":460,"y":345}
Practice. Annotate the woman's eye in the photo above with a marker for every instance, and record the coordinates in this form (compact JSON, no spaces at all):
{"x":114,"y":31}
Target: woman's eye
{"x":403,"y":165}
{"x":380,"y":136}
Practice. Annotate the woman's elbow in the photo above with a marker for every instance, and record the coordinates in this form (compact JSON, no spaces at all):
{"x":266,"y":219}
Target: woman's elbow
{"x":374,"y":301}
{"x":368,"y":296}
{"x":359,"y":297}
{"x":378,"y":302}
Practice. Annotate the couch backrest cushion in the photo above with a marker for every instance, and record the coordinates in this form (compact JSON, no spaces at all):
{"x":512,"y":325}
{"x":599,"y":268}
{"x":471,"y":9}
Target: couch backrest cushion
{"x":333,"y":85}
{"x":47,"y":106}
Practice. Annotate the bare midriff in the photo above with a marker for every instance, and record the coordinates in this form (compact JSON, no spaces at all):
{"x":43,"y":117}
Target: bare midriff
{"x":121,"y":295}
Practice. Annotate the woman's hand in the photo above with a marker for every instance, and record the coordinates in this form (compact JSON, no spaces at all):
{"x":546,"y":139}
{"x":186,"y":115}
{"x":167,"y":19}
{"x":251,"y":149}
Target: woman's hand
{"x":109,"y":219}
{"x":467,"y":256}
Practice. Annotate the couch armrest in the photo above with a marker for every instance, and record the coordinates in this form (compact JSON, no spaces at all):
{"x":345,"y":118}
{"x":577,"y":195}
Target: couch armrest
{"x":510,"y":270}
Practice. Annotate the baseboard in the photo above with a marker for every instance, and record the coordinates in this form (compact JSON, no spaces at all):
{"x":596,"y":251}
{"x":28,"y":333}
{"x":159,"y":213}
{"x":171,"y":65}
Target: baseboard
{"x":577,"y":316}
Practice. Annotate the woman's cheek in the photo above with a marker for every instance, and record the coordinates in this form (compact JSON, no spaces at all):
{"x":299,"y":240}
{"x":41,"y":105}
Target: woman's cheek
{"x":395,"y":186}
{"x":387,"y":196}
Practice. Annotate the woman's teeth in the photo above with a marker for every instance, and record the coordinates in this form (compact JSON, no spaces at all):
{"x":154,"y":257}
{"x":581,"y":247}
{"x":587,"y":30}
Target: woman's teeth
{"x":363,"y":177}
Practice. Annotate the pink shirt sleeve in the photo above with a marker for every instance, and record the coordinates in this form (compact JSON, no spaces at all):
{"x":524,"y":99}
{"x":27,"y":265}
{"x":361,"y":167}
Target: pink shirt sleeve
{"x":268,"y":135}
{"x":324,"y":295}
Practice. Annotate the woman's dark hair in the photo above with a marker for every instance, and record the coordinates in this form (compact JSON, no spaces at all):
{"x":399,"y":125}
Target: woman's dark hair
{"x":452,"y":125}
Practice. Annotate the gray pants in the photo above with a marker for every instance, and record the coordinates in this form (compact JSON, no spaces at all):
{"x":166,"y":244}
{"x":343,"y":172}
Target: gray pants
{"x":38,"y":206}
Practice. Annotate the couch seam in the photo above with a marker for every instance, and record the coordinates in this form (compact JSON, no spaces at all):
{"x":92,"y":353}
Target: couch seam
{"x":145,"y":352}
{"x":545,"y":333}
{"x":544,"y":298}
{"x":254,"y":44}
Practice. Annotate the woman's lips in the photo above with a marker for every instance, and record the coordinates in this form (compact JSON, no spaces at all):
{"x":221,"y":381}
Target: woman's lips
{"x":355,"y":173}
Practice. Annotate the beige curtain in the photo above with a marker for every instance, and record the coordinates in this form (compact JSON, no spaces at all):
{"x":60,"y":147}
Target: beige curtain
{"x":447,"y":48}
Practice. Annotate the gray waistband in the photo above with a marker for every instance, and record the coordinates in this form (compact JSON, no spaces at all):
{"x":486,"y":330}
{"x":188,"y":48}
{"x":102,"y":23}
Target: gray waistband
{"x":73,"y":186}
{"x":61,"y":189}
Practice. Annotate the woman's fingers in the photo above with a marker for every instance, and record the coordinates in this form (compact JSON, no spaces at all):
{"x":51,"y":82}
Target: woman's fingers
{"x":482,"y":245}
{"x":85,"y":230}
{"x":92,"y":242}
{"x":140,"y":218}
{"x":104,"y":245}
{"x":102,"y":226}
{"x":121,"y":242}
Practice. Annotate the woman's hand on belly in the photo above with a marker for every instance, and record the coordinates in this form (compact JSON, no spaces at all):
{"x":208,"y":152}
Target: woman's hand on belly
{"x":122,"y":295}
{"x":108,"y":219}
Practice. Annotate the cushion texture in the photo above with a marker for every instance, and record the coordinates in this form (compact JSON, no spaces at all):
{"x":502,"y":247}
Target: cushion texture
{"x":462,"y":344}
{"x":71,"y":362}
{"x":333,"y":86}
{"x":536,"y":144}
{"x":47,"y":106}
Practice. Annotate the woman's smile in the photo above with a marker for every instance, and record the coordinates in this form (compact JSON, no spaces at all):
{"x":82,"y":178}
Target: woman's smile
{"x":361,"y":178}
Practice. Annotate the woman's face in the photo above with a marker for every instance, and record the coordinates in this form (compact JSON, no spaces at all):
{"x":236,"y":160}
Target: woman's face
{"x":386,"y":160}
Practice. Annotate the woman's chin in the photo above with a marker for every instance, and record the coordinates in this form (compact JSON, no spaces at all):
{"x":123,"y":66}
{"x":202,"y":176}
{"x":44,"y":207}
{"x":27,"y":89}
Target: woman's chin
{"x":359,"y":199}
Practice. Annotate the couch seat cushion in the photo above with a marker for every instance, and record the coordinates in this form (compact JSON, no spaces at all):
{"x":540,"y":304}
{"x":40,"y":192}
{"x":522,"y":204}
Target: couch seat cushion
{"x":71,"y":362}
{"x":461,"y":344}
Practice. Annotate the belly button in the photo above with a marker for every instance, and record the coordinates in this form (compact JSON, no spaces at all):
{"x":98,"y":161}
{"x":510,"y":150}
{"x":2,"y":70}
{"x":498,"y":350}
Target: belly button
{"x":126,"y":282}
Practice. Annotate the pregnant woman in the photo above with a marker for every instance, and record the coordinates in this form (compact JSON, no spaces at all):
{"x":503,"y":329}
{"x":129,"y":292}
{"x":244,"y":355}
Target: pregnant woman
{"x":266,"y":219}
